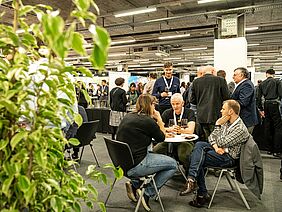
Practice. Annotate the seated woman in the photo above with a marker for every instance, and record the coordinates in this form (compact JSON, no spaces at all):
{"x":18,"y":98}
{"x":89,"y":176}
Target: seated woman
{"x":138,"y":129}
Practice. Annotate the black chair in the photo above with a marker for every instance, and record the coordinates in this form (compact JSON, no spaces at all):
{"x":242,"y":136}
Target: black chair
{"x":85,"y":134}
{"x":121,"y":156}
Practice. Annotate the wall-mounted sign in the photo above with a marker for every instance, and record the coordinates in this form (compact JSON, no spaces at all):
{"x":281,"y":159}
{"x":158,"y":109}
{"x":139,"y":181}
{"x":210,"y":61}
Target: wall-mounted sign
{"x":229,"y":25}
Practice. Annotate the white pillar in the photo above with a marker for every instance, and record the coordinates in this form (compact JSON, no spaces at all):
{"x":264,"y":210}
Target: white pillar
{"x":229,"y":54}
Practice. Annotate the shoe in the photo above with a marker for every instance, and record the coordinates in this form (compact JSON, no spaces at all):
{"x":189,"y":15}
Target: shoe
{"x":131,"y":191}
{"x":189,"y":187}
{"x":75,"y":157}
{"x":145,"y":200}
{"x":200,"y":201}
{"x":278,"y":155}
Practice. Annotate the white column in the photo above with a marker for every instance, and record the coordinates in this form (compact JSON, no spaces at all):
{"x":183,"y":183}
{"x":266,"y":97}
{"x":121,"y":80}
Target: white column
{"x":229,"y":54}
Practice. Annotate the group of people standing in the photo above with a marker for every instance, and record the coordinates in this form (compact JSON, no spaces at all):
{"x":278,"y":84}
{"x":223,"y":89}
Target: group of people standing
{"x":225,"y":120}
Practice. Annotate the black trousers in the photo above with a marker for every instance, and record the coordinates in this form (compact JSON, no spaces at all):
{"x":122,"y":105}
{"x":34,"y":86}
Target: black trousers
{"x":273,"y":126}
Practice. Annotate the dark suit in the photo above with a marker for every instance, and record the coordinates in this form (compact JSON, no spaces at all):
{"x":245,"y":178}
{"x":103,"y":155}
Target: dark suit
{"x":208,"y":93}
{"x":244,"y":93}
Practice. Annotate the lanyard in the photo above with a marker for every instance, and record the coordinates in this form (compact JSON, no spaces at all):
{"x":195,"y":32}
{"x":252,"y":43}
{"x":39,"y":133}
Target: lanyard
{"x":174,"y":116}
{"x":170,"y":84}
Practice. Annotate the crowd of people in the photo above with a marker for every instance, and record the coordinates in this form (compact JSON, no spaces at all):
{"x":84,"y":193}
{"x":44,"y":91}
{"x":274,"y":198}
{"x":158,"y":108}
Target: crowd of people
{"x":225,"y":116}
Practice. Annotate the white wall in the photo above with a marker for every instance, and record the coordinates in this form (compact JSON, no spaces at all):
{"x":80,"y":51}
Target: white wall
{"x":113,"y":75}
{"x":230,"y":54}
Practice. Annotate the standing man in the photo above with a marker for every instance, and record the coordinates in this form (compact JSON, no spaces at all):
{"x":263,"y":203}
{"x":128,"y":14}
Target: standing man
{"x":207,"y":93}
{"x":244,"y":93}
{"x":222,"y":150}
{"x":104,"y":89}
{"x":165,"y":86}
{"x":271,"y":90}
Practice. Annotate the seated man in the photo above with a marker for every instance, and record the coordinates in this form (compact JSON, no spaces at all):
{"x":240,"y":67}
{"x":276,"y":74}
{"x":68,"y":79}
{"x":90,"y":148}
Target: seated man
{"x":137,"y":129}
{"x":182,"y":150}
{"x":222,"y":150}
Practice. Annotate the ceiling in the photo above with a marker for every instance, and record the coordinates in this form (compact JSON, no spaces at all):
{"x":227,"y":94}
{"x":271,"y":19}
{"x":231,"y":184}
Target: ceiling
{"x":147,"y":52}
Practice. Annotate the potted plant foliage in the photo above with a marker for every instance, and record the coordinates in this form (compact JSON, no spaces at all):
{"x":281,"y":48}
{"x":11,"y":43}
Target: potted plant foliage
{"x":33,"y":174}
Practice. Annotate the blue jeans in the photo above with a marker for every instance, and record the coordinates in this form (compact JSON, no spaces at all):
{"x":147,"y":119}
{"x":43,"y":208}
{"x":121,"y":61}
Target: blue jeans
{"x":162,"y":165}
{"x":203,"y":156}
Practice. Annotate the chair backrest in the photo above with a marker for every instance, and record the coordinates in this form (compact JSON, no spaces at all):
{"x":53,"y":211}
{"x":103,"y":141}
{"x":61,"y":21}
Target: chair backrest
{"x":120,"y":154}
{"x":83,"y":113}
{"x":87,"y":132}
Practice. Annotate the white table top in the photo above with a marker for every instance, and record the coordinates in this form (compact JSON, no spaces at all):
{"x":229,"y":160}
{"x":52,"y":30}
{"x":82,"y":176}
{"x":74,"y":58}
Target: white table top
{"x":182,"y":138}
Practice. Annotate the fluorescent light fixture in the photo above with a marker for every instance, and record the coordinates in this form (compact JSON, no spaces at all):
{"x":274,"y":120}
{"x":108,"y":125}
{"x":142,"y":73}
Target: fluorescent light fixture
{"x":157,"y":64}
{"x":195,"y":49}
{"x":206,"y":1}
{"x":174,"y":36}
{"x":117,"y":54}
{"x":251,"y":28}
{"x":132,"y":66}
{"x":172,"y":58}
{"x":141,"y":60}
{"x":253,"y":44}
{"x":185,"y":63}
{"x":123,"y":41}
{"x":135,"y":11}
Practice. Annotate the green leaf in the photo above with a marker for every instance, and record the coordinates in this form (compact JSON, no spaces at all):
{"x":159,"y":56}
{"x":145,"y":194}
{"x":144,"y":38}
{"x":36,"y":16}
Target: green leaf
{"x":83,"y":4}
{"x":3,"y":143}
{"x":25,"y":9}
{"x":74,"y":141}
{"x":76,"y":206}
{"x":77,"y":43}
{"x":10,"y":106}
{"x":6,"y":185}
{"x":53,"y":183}
{"x":86,"y":95}
{"x":98,"y":58}
{"x":41,"y":158}
{"x":56,"y":204}
{"x":102,"y":38}
{"x":78,"y":119}
{"x":85,"y":71}
{"x":23,"y":183}
{"x":93,"y":191}
{"x":102,"y":206}
{"x":17,"y":138}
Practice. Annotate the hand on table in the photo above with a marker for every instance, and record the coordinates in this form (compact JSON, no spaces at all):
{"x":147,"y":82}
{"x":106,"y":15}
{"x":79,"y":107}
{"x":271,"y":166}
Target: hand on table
{"x":220,"y":151}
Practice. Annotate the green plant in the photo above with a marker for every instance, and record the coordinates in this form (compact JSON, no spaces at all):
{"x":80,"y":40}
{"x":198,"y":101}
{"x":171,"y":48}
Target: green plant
{"x":33,"y":171}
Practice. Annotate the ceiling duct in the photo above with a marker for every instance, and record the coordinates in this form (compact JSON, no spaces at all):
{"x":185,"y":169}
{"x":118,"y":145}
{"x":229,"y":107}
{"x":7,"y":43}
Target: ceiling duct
{"x":160,"y":51}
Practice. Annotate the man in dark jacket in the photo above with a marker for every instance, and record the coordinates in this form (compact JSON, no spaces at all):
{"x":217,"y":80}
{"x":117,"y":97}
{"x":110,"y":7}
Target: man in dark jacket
{"x":244,"y":93}
{"x":271,"y":90}
{"x":207,"y":93}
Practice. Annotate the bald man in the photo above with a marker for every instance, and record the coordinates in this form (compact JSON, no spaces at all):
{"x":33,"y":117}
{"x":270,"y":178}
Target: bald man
{"x":208,"y":93}
{"x":178,"y":112}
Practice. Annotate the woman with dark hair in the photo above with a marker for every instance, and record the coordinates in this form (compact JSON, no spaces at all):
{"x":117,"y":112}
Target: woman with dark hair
{"x":132,"y":94}
{"x":118,"y":103}
{"x":137,"y":129}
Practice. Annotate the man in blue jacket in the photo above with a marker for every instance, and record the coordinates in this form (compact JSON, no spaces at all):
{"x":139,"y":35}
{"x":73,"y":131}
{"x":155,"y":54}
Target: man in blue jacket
{"x":244,"y":93}
{"x":165,"y":87}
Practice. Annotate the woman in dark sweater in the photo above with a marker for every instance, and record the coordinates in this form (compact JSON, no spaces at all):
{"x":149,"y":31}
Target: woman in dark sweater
{"x":118,"y":103}
{"x":137,"y":129}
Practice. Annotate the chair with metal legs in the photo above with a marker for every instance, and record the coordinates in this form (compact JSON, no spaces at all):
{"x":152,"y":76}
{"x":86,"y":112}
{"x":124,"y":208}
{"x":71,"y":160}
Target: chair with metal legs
{"x":230,"y":176}
{"x":121,"y":156}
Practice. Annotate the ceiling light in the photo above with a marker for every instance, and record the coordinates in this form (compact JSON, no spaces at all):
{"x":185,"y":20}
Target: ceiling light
{"x":206,"y":1}
{"x":141,"y":60}
{"x":157,"y":64}
{"x":135,"y":11}
{"x":172,"y":58}
{"x":195,"y":49}
{"x":117,"y":54}
{"x":251,"y":28}
{"x":185,"y":63}
{"x":123,"y":41}
{"x":253,"y":44}
{"x":173,"y":36}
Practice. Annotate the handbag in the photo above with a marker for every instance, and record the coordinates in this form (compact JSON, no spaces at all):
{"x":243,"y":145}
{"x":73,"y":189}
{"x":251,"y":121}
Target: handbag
{"x":116,"y":117}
